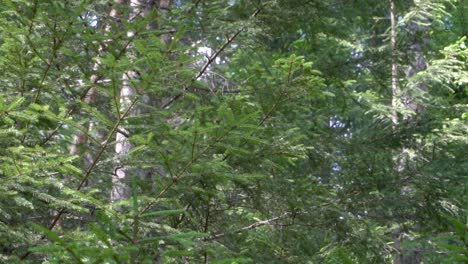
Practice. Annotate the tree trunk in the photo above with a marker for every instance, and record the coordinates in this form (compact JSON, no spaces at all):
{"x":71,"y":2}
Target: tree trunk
{"x":404,"y":100}
{"x":120,"y":188}
{"x":80,"y":139}
{"x":120,"y":180}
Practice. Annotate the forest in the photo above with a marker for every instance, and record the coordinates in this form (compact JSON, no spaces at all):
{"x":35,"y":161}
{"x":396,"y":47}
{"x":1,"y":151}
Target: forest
{"x":234,"y":131}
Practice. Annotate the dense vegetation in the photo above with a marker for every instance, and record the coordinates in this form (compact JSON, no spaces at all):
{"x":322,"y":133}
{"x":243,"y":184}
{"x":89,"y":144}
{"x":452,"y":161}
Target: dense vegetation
{"x":233,"y":131}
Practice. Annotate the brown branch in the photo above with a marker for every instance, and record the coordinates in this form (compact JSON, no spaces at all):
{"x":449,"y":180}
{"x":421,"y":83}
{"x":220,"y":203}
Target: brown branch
{"x":179,"y":175}
{"x":75,"y":107}
{"x":216,"y":55}
{"x":104,"y":146}
{"x":88,"y":171}
{"x":265,"y":118}
{"x":208,"y":63}
{"x":193,"y":7}
{"x":204,"y":68}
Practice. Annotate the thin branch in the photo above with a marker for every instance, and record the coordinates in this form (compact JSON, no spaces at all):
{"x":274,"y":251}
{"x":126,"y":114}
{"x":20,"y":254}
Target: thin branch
{"x":89,"y":170}
{"x":265,"y":117}
{"x":179,"y":175}
{"x":246,"y":228}
{"x":106,"y":143}
{"x":75,"y":107}
{"x":216,"y":55}
{"x":193,"y":7}
{"x":182,"y":216}
{"x":208,"y":63}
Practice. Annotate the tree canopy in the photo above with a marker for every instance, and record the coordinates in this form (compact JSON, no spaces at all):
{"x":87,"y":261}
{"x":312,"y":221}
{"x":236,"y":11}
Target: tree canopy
{"x":233,"y":131}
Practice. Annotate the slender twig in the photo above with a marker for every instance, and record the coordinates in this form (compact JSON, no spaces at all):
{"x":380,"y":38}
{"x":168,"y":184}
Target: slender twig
{"x":176,"y":177}
{"x":213,"y":57}
{"x":89,"y":170}
{"x":182,"y":216}
{"x":272,"y":109}
{"x":210,"y":61}
{"x":44,"y":76}
{"x":246,"y":228}
{"x":106,"y":143}
{"x":34,"y":13}
{"x":267,"y":116}
{"x":193,"y":7}
{"x":75,"y":108}
{"x":70,"y":112}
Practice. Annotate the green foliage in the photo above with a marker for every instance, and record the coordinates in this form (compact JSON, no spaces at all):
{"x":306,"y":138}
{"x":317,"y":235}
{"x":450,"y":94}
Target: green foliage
{"x":276,"y":146}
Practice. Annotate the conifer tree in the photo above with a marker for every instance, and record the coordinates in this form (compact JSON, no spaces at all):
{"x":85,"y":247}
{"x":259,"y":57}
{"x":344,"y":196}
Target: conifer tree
{"x":232,"y":131}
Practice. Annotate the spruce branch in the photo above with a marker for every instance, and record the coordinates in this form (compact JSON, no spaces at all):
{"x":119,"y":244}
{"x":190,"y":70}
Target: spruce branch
{"x":205,"y":67}
{"x":94,"y":80}
{"x":90,"y":169}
